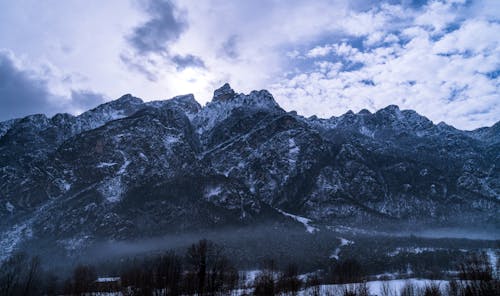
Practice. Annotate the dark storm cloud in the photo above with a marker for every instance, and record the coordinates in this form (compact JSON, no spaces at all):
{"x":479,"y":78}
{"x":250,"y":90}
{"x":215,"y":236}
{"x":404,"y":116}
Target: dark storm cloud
{"x":22,"y":94}
{"x":184,"y":61}
{"x":84,"y":99}
{"x":163,"y":27}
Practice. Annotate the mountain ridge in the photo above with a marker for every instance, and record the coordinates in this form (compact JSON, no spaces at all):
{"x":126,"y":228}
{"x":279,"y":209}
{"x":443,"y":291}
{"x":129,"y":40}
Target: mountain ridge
{"x":129,"y":168}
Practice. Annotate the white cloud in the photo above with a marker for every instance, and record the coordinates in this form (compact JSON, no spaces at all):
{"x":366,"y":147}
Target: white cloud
{"x":318,"y":57}
{"x":320,"y":51}
{"x":474,"y":36}
{"x":444,"y":78}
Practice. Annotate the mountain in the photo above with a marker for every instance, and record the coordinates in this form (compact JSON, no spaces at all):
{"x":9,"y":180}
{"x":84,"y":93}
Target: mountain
{"x":130,"y":169}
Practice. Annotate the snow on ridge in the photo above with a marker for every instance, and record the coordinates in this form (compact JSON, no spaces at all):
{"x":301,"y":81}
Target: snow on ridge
{"x":303,"y":220}
{"x":219,"y":110}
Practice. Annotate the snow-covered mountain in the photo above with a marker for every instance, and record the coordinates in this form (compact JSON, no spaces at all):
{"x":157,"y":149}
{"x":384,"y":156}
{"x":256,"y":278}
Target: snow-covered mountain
{"x":129,"y":169}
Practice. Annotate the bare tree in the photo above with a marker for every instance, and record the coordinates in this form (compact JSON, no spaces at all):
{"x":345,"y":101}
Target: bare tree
{"x":313,"y":284}
{"x":289,"y":281}
{"x":209,"y":270}
{"x":432,"y":290}
{"x":169,"y":273}
{"x":347,"y":271}
{"x":476,"y":275}
{"x":84,"y":277}
{"x":20,"y":275}
{"x":32,"y":276}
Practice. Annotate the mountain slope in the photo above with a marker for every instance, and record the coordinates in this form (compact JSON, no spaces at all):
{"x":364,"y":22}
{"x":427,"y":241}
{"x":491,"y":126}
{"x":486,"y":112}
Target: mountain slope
{"x":129,"y":169}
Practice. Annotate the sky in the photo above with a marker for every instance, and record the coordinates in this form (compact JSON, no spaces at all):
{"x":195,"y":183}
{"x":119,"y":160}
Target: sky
{"x":322,"y":57}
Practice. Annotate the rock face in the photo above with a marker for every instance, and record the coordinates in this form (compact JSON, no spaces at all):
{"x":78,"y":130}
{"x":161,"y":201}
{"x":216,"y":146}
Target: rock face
{"x":129,"y":169}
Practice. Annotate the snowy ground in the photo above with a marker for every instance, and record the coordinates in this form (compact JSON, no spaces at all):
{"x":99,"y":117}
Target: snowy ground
{"x":394,"y":287}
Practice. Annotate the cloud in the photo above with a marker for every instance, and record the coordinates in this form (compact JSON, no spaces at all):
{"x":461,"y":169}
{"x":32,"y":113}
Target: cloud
{"x":230,"y":47}
{"x":319,"y":51}
{"x":82,"y":100}
{"x":447,"y":75}
{"x":164,"y":26}
{"x":20,"y":94}
{"x":23,"y":93}
{"x":439,"y":57}
{"x":189,"y":60}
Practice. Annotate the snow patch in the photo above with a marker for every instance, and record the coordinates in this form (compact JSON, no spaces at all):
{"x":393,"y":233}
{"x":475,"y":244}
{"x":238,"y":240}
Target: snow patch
{"x":493,"y":257}
{"x":212,"y":192}
{"x":105,"y":164}
{"x":125,"y":164}
{"x":293,"y":151}
{"x":413,"y":250}
{"x":11,"y":238}
{"x":112,"y":189}
{"x":107,"y":279}
{"x":9,"y":207}
{"x":343,"y":242}
{"x":170,"y":140}
{"x":73,"y":244}
{"x":303,"y":220}
{"x":367,"y":132}
{"x":392,"y":287}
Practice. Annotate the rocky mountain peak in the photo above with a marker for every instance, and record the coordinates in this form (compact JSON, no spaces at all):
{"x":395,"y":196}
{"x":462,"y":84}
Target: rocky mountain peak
{"x":364,"y":112}
{"x":224,"y":93}
{"x":127,"y":99}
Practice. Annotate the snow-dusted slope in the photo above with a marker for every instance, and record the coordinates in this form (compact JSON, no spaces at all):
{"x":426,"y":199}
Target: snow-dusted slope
{"x":129,"y":169}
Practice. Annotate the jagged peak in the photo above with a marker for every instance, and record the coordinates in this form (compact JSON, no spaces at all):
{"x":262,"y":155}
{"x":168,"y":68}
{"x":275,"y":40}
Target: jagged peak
{"x":364,"y":112}
{"x":128,"y":98}
{"x":390,"y":108}
{"x":185,"y":102}
{"x":61,"y":118}
{"x":224,"y":93}
{"x":189,"y":100}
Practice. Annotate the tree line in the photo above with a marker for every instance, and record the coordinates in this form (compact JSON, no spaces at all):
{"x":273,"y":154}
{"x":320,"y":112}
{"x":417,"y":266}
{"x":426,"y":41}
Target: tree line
{"x":205,"y":269}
